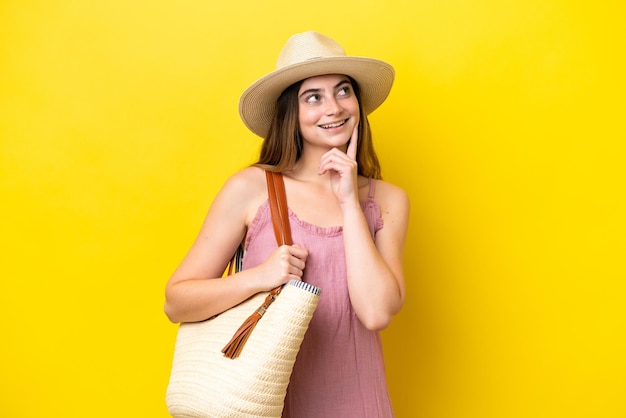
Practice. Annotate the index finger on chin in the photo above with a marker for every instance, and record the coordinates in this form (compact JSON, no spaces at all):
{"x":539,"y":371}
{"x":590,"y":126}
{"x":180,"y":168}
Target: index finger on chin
{"x":354,"y":140}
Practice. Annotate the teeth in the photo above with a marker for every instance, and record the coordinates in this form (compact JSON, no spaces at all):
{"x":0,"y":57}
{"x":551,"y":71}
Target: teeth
{"x":334,"y":125}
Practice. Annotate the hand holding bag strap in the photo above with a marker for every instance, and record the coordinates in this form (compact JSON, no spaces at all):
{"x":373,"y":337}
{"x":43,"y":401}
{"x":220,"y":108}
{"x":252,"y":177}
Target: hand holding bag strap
{"x":282,"y":231}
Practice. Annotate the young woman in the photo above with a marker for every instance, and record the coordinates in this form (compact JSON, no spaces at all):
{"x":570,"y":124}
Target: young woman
{"x":348,"y":226}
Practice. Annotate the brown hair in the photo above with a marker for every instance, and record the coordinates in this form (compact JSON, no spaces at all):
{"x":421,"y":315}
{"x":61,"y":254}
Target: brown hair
{"x":282,"y":147}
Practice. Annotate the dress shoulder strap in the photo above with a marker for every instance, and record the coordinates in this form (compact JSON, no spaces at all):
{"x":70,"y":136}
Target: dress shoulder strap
{"x":372,"y":190}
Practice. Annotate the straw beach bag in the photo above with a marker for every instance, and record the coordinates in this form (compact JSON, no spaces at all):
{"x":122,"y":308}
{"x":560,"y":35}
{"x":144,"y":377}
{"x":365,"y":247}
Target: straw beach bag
{"x":213,"y":375}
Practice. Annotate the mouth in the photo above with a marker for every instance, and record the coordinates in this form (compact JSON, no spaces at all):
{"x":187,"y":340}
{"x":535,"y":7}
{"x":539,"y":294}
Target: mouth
{"x":334,"y":124}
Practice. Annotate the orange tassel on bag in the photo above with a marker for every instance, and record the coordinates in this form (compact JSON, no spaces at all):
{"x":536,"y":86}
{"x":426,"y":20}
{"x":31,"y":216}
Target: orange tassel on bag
{"x":235,"y":345}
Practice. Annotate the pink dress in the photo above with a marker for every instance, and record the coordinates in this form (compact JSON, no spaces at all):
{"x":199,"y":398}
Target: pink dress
{"x":339,"y":372}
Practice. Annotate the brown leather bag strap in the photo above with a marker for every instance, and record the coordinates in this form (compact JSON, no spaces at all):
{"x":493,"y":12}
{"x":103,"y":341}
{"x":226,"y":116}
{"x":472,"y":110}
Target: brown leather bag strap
{"x":282,"y":231}
{"x":278,"y":207}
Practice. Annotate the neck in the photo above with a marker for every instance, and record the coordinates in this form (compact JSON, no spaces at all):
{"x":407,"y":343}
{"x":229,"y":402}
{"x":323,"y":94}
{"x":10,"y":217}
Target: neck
{"x":307,"y":167}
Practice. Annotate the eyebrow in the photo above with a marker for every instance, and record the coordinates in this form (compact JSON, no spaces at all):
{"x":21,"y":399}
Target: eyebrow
{"x":346,"y":81}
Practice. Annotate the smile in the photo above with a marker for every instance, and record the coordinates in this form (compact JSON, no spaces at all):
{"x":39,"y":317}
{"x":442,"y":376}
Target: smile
{"x":334,"y":125}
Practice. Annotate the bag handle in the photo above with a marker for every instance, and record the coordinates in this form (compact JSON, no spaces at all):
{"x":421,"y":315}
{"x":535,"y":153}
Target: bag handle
{"x":278,"y":207}
{"x":282,"y":230}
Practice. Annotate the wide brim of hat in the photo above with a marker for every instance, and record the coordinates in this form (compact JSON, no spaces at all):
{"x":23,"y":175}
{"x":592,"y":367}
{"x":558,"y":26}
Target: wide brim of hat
{"x":258,"y":102}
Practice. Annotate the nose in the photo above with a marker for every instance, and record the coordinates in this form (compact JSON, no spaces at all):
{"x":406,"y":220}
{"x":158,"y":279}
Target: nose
{"x":332,"y":106}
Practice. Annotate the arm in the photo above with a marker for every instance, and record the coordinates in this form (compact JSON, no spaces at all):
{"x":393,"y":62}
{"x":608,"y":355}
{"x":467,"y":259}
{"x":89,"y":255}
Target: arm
{"x":375,"y":270}
{"x":196,"y":290}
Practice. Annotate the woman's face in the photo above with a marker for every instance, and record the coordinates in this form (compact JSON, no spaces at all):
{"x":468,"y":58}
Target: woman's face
{"x":328,"y":110}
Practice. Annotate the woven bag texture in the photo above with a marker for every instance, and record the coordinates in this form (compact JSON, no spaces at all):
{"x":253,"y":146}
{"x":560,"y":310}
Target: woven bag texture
{"x":204,"y":383}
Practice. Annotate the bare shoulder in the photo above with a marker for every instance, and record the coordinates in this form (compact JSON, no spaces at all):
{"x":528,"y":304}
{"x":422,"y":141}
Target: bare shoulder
{"x":391,"y":197}
{"x":394,"y":208}
{"x":246,"y":190}
{"x":247,"y":182}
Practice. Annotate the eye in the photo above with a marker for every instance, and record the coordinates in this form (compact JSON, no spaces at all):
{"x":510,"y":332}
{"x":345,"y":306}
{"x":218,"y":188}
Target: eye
{"x":344,"y":91}
{"x":312,"y":98}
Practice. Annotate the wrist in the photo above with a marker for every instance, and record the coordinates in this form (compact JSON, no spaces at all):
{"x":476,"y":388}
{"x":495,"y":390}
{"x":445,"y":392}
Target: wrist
{"x":352,"y":205}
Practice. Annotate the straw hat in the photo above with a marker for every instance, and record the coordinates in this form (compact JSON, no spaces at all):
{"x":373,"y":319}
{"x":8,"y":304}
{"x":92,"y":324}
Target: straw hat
{"x":306,"y":55}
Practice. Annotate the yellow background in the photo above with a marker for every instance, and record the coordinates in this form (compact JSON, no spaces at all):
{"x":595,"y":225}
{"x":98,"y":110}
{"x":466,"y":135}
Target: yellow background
{"x":119,"y":123}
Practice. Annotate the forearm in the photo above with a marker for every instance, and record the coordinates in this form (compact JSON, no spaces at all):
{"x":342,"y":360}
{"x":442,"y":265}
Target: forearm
{"x":195,"y":300}
{"x":192,"y":296}
{"x":374,"y":289}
